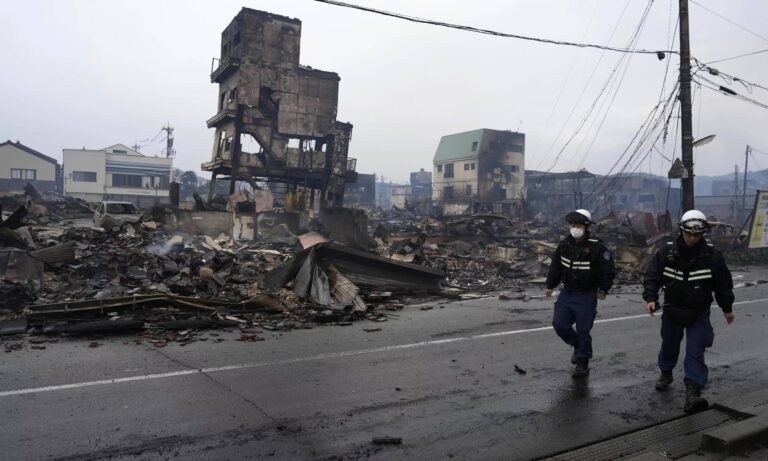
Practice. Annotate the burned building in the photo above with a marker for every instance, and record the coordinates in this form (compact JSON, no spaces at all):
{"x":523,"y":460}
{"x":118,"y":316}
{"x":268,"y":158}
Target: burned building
{"x":421,"y":191}
{"x":554,"y":194}
{"x":276,"y":119}
{"x":362,"y":193}
{"x":479,"y":171}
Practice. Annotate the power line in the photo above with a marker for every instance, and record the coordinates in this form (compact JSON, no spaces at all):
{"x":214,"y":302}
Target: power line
{"x":495,"y":33}
{"x":721,"y":89}
{"x":647,"y":128}
{"x":728,"y":20}
{"x":542,"y":158}
{"x":569,"y":74}
{"x":739,"y":56}
{"x":151,"y":140}
{"x":729,"y":78}
{"x":673,"y":36}
{"x":608,"y":83}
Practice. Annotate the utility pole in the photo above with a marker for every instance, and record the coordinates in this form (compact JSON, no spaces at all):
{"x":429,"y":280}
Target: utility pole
{"x":686,"y":122}
{"x":736,"y":213}
{"x":744,"y":189}
{"x":169,"y":150}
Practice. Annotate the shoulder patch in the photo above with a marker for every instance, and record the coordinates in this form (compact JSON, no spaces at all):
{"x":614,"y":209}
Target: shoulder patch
{"x":607,"y":255}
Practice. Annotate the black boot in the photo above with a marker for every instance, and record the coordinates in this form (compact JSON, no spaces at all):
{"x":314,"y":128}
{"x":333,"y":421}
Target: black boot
{"x":665,"y":379}
{"x":574,"y":360}
{"x":694,"y":402}
{"x":581,"y":369}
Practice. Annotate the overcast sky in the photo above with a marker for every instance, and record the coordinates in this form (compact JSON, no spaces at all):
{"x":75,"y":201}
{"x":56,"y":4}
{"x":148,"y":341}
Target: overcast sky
{"x":95,"y":73}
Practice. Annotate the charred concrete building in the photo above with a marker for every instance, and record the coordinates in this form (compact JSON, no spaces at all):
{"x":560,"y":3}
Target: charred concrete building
{"x":276,"y":119}
{"x":361,"y":194}
{"x":479,"y":171}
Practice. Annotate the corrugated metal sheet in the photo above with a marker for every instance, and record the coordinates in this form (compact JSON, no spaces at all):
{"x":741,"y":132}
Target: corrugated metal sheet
{"x":363,"y":269}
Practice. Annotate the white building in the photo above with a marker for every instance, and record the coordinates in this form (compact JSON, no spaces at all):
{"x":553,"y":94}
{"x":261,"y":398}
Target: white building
{"x":116,"y":173}
{"x":20,"y":165}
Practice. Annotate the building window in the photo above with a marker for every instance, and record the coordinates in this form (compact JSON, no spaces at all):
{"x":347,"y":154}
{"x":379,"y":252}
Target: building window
{"x":232,"y":95}
{"x":448,"y":193}
{"x":472,"y":165}
{"x":514,"y":168}
{"x":469,"y":190}
{"x":119,"y":151}
{"x":474,"y":146}
{"x":466,"y":167}
{"x":439,"y":168}
{"x":448,"y":170}
{"x":84,"y":176}
{"x":16,"y":173}
{"x":30,"y":174}
{"x":236,"y":40}
{"x":126,"y":180}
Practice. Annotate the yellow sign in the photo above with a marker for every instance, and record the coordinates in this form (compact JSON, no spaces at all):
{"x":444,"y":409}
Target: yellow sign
{"x":758,"y":231}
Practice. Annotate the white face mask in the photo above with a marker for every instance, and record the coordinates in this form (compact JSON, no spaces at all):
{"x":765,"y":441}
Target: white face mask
{"x":577,"y":232}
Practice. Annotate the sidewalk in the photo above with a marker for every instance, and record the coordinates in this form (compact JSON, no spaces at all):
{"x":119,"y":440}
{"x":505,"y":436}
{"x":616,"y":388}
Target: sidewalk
{"x":727,"y":428}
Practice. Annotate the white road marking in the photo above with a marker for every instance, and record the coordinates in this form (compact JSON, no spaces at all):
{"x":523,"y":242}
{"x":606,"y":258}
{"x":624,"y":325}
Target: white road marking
{"x":329,"y":355}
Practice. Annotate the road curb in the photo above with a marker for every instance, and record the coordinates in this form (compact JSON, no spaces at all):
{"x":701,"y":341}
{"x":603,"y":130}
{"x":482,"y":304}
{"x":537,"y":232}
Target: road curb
{"x":737,"y":435}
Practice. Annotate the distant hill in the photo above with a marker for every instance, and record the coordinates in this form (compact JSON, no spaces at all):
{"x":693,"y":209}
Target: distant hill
{"x":755,"y":180}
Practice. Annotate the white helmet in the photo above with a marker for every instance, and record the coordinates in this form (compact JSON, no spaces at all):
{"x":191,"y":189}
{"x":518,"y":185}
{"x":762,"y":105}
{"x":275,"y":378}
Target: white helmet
{"x":580,"y":216}
{"x":694,"y":222}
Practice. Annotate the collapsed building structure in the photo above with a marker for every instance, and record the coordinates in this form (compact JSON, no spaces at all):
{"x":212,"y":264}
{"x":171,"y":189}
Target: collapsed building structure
{"x":286,"y":111}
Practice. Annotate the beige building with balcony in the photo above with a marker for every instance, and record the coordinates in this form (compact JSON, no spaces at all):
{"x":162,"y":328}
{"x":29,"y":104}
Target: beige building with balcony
{"x":116,"y":173}
{"x":480,"y":171}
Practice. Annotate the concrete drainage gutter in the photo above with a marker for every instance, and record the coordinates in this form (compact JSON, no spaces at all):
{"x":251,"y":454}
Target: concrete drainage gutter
{"x":727,"y":427}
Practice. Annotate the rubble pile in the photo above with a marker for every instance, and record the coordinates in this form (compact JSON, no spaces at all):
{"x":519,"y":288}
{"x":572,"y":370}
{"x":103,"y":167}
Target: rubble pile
{"x":165,"y":281}
{"x":46,"y":208}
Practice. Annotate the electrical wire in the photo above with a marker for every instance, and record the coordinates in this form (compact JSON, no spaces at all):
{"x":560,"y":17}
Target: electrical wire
{"x":541,"y":159}
{"x":728,"y":20}
{"x":153,"y":139}
{"x":672,"y":37}
{"x":720,"y":89}
{"x":616,"y":68}
{"x":739,"y":56}
{"x":728,"y":78}
{"x":647,"y":129}
{"x":494,"y":33}
{"x":569,"y":73}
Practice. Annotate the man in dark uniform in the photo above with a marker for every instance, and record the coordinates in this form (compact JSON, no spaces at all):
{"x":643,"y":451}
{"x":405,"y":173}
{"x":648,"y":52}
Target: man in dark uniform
{"x":585,"y":266}
{"x":690,"y":270}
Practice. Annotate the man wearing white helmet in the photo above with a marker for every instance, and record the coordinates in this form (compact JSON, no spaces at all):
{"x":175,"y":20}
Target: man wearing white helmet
{"x":690,"y":270}
{"x":585,"y":267}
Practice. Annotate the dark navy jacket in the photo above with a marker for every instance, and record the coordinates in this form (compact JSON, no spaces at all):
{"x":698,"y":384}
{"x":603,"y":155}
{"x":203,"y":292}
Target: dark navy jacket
{"x":581,"y":266}
{"x":689,"y":276}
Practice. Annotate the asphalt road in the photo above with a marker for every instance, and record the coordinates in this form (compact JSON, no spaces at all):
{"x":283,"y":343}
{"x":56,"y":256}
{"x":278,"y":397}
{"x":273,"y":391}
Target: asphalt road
{"x":443,"y":380}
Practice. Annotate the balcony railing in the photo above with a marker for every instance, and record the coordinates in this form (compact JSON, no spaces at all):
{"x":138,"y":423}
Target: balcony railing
{"x":220,"y":68}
